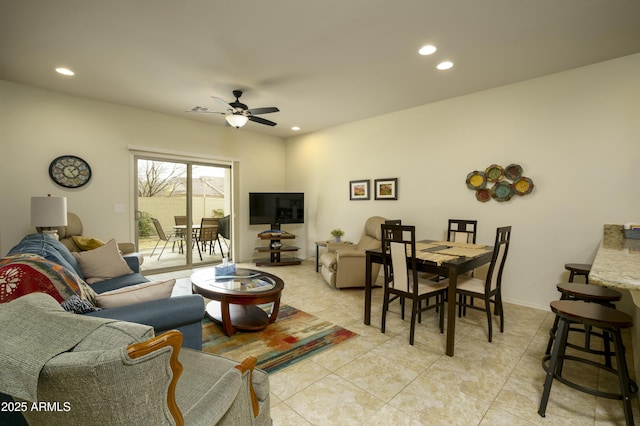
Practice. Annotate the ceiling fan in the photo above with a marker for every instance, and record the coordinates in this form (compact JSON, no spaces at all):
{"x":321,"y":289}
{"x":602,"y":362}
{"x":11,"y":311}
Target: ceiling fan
{"x":236,"y":113}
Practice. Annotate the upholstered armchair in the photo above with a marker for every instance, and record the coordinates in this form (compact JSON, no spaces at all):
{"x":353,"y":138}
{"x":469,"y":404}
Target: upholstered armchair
{"x":344,"y":265}
{"x":74,"y":229}
{"x":101,"y":371}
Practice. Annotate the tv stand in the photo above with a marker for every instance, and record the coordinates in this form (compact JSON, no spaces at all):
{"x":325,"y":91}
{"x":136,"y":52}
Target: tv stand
{"x":276,"y":248}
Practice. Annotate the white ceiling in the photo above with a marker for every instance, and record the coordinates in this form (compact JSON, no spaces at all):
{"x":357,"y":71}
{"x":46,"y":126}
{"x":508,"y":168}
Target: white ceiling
{"x":322,"y":63}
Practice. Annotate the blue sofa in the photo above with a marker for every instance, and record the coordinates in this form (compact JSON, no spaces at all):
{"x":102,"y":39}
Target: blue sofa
{"x":183,"y":313}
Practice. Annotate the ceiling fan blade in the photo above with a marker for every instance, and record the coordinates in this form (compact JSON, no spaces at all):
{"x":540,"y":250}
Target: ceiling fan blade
{"x":204,"y":110}
{"x":261,"y":120}
{"x":265,"y":110}
{"x":222,"y":105}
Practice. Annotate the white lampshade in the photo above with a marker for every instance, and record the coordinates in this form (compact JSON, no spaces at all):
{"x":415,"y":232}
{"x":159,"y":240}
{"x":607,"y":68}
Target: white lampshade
{"x":48,"y":211}
{"x":237,"y":120}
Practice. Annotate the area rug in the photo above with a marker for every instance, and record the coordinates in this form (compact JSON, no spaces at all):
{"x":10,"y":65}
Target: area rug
{"x":294,"y":336}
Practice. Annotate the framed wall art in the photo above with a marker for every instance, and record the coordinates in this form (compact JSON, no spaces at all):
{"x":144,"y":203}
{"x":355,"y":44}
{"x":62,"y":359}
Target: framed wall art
{"x":386,"y":189}
{"x":359,"y":190}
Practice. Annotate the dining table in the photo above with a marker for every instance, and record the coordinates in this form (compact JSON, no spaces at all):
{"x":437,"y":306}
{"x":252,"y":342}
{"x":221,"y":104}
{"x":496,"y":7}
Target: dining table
{"x":443,"y":258}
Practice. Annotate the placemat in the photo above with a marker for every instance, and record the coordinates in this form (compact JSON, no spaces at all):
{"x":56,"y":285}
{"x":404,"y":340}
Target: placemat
{"x":434,"y":257}
{"x":456,"y":244}
{"x":463,"y":251}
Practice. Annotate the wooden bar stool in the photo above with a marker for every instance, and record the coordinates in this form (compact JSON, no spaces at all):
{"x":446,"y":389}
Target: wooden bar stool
{"x":610,"y":321}
{"x":578,"y":269}
{"x":592,"y":294}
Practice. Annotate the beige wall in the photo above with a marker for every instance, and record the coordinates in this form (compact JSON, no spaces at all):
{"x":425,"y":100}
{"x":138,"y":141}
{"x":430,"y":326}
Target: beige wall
{"x":38,"y":125}
{"x":576,"y":134}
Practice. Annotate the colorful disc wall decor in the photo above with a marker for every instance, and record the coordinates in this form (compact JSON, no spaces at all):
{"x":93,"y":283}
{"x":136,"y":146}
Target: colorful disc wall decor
{"x":494,"y":173}
{"x":483,"y":195}
{"x":502,"y":190}
{"x":523,"y":186}
{"x":476,"y":180}
{"x":513,"y":171}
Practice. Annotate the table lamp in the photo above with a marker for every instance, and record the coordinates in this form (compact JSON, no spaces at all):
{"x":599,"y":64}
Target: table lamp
{"x":48,"y":212}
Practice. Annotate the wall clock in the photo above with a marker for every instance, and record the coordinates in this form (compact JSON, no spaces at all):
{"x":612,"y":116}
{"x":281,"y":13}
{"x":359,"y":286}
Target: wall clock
{"x":70,"y":171}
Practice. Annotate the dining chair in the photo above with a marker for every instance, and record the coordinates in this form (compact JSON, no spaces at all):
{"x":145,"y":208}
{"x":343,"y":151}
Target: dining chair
{"x":401,"y":276}
{"x":488,"y":290}
{"x":171,"y":238}
{"x":462,"y":231}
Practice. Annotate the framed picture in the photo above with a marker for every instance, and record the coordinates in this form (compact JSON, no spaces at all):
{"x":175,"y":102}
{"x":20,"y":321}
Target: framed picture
{"x":386,"y":189}
{"x":359,"y":190}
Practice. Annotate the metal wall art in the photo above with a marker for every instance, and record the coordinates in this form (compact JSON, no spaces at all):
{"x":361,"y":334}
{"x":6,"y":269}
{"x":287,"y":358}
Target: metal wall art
{"x":502,"y":189}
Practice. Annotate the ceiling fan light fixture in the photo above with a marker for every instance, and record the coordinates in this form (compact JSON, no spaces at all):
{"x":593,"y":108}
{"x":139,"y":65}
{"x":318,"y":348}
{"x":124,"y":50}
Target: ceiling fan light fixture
{"x":237,"y":120}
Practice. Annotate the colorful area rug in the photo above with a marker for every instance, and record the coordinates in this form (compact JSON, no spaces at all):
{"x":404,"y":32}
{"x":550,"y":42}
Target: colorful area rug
{"x":294,"y":336}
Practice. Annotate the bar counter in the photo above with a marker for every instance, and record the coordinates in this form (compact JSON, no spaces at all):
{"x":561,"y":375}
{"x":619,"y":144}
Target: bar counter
{"x":617,"y":262}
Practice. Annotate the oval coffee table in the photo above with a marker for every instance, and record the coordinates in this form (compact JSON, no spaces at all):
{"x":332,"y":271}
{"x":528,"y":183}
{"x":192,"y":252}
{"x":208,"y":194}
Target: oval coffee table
{"x":233,"y":300}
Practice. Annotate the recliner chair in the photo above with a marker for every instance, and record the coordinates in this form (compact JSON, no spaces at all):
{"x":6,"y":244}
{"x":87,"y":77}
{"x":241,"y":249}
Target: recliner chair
{"x":344,"y":265}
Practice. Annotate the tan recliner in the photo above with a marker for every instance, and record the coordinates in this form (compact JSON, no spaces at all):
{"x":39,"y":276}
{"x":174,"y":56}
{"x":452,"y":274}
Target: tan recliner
{"x":344,"y":265}
{"x":74,"y":228}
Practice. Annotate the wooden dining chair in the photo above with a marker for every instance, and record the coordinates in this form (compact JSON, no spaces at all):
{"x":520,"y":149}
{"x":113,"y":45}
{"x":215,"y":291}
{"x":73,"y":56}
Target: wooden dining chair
{"x":488,"y":290}
{"x":462,"y":231}
{"x":401,"y":276}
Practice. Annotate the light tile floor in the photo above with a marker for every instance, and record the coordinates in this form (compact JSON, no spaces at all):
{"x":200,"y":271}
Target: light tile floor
{"x":379,"y":379}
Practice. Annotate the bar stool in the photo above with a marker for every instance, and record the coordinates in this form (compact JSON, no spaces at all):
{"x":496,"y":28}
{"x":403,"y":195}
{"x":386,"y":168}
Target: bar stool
{"x":578,"y":269}
{"x":588,"y":293}
{"x":611,"y":321}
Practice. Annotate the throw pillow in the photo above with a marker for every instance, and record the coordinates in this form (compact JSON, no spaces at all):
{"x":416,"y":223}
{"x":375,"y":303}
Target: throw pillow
{"x":86,"y":243}
{"x":102,"y":263}
{"x":78,"y":306}
{"x":22,"y":274}
{"x":144,"y":292}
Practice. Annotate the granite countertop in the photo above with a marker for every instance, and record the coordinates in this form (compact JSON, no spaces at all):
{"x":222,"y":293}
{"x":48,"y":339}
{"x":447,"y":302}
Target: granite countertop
{"x":617,"y":262}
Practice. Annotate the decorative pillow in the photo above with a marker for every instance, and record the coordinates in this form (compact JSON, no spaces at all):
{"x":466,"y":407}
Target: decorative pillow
{"x":78,"y":306}
{"x":102,"y":263}
{"x":22,"y":274}
{"x":144,"y":292}
{"x":86,"y":243}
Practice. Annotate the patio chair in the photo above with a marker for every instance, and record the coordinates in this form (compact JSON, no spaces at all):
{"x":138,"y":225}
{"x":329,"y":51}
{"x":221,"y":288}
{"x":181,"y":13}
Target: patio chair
{"x":208,"y":235}
{"x":173,"y":237}
{"x":224,"y":232}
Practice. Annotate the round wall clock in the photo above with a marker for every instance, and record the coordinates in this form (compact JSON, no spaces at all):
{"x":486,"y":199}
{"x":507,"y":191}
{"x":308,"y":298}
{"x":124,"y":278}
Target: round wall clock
{"x":70,"y":171}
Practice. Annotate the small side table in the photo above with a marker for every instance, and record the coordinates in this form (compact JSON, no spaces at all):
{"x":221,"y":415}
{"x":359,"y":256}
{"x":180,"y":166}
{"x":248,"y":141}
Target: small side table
{"x":324,"y":244}
{"x":318,"y":245}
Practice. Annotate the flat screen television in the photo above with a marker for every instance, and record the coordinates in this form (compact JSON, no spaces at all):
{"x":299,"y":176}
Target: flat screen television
{"x":276,"y":208}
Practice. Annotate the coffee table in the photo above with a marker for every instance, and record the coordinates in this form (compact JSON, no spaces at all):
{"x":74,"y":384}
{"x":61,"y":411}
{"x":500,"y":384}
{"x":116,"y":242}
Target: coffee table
{"x":234,"y":299}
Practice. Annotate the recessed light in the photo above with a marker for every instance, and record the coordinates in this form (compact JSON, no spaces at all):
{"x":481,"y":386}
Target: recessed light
{"x":295,"y":128}
{"x":444,"y":65}
{"x":64,"y":71}
{"x":429,"y":49}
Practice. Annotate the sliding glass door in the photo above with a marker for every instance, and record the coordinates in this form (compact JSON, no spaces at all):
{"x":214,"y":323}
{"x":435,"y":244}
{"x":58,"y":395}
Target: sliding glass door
{"x":183,"y":212}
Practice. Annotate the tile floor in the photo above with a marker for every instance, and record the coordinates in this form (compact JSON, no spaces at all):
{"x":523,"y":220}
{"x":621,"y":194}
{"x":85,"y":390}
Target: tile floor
{"x":379,"y":379}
